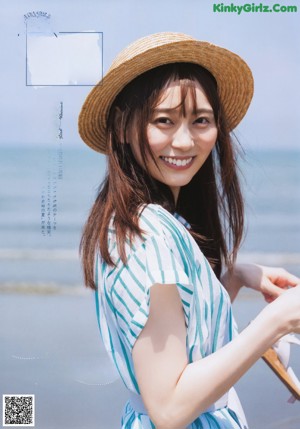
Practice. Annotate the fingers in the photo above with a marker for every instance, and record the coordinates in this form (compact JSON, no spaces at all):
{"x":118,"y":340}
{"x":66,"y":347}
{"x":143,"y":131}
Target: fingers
{"x":272,"y":289}
{"x":268,"y":298}
{"x":291,"y":280}
{"x":282,"y":277}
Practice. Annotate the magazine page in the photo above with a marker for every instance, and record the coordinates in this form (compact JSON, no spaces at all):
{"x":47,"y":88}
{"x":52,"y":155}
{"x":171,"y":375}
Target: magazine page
{"x":55,"y":371}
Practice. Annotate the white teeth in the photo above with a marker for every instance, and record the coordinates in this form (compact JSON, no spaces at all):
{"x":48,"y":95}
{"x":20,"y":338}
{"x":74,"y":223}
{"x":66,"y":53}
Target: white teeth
{"x":178,"y":162}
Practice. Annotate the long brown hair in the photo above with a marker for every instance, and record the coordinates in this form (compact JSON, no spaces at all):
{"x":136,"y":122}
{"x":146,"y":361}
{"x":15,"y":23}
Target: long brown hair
{"x":212,"y":202}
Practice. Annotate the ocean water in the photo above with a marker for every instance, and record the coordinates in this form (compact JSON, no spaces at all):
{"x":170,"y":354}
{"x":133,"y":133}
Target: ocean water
{"x":46,"y":194}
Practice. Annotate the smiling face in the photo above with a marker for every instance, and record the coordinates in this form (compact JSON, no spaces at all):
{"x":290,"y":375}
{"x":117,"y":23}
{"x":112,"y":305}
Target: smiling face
{"x":181,"y":133}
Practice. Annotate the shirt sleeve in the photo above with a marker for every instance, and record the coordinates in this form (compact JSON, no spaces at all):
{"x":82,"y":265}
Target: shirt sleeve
{"x":157,"y":260}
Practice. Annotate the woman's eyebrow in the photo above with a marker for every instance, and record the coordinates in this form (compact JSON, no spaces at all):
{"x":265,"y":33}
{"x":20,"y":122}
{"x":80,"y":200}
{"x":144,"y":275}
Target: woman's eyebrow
{"x":165,"y":109}
{"x":172,"y":109}
{"x":197,"y":111}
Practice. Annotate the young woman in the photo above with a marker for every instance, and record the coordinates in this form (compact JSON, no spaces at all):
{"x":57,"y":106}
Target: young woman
{"x":160,"y":244}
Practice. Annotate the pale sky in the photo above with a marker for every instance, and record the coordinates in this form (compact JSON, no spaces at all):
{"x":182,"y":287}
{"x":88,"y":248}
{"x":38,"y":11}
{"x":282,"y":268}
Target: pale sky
{"x":269,"y":42}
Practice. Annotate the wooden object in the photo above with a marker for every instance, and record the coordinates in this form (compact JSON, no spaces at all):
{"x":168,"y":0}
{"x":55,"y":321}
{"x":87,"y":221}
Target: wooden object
{"x":273,"y":361}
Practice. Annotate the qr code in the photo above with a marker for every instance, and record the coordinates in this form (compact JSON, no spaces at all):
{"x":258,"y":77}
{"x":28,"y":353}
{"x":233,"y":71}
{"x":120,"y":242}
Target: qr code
{"x":18,"y":410}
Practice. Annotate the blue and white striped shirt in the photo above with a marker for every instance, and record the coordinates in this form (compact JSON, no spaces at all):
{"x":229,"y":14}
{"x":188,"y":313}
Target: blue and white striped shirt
{"x":166,"y":254}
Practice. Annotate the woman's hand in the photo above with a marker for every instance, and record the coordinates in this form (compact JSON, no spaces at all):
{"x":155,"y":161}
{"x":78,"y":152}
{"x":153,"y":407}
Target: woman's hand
{"x":274,"y":281}
{"x":270,"y":281}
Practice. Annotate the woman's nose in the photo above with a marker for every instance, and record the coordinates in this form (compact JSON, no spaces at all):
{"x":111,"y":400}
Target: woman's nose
{"x":182,"y":138}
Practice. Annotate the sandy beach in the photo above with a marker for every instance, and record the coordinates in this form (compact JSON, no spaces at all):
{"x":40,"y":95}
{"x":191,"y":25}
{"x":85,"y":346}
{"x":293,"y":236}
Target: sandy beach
{"x":50,"y":347}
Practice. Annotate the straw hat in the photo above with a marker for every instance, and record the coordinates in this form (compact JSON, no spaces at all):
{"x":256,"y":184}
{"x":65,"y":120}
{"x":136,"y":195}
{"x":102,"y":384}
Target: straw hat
{"x":233,"y":76}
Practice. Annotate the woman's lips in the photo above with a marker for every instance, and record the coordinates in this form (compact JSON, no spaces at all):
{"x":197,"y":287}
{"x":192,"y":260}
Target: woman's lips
{"x":177,"y":163}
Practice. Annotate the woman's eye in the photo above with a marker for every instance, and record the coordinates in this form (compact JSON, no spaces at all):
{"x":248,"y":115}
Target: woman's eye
{"x":202,"y":120}
{"x":163,"y":120}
